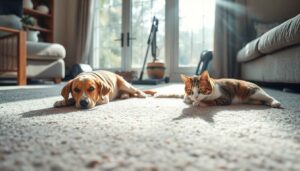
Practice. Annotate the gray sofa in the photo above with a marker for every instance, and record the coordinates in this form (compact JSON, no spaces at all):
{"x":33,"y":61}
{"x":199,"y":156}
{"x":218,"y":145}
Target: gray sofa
{"x":44,"y":60}
{"x":273,"y":55}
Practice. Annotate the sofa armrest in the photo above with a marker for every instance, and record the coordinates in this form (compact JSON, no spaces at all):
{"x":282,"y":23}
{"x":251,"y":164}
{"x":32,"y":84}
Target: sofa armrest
{"x":45,"y":51}
{"x":14,"y":41}
{"x":10,"y":30}
{"x":285,"y":35}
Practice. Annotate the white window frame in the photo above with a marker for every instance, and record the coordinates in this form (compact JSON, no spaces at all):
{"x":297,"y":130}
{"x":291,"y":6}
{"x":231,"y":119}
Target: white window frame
{"x":172,"y":43}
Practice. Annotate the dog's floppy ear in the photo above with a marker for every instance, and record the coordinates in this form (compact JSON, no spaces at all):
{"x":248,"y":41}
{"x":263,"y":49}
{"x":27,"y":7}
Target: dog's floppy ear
{"x":66,"y":90}
{"x":104,"y":89}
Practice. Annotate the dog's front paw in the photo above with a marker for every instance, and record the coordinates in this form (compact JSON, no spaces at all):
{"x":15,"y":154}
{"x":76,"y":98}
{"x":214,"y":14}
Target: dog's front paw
{"x":60,"y":103}
{"x":124,"y":96}
{"x":275,"y":104}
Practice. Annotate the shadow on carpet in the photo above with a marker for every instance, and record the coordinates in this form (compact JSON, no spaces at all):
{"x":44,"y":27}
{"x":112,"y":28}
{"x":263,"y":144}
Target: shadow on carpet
{"x":29,"y":93}
{"x":207,"y":113}
{"x":48,"y":111}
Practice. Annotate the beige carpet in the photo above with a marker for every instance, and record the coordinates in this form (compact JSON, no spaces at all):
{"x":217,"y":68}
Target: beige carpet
{"x":146,"y":134}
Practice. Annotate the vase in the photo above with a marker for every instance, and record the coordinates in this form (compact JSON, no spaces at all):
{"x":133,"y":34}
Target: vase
{"x":156,"y":69}
{"x":27,"y":4}
{"x":32,"y":35}
{"x":43,"y":9}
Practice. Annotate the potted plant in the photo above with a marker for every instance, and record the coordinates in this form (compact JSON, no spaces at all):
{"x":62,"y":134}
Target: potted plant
{"x":28,"y":21}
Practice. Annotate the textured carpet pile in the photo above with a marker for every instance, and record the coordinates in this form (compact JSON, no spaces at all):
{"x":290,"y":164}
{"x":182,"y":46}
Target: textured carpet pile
{"x":146,"y":134}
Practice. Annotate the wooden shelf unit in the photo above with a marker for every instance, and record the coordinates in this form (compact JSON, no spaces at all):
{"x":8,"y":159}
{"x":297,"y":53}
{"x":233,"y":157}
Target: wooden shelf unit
{"x":45,"y":21}
{"x":35,"y":13}
{"x":39,"y":29}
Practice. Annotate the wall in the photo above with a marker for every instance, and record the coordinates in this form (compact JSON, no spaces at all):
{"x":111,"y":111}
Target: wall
{"x":60,"y":17}
{"x":273,"y":10}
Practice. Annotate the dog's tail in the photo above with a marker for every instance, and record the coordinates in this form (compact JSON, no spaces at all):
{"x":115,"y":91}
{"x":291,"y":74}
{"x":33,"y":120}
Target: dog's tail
{"x":161,"y":95}
{"x":150,"y":92}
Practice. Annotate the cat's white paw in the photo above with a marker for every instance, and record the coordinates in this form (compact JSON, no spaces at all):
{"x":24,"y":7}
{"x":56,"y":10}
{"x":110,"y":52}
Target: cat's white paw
{"x":202,"y":104}
{"x":187,"y":100}
{"x":199,"y":103}
{"x":195,"y":103}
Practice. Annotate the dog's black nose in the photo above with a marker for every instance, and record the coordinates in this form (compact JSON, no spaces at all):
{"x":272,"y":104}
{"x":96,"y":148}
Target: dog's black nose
{"x":84,"y":103}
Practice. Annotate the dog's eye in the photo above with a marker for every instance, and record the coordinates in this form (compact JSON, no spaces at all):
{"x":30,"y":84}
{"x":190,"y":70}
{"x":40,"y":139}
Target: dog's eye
{"x":91,"y":89}
{"x":77,"y":90}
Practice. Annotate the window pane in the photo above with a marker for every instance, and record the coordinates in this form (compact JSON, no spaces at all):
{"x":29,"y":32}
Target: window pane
{"x":107,"y":28}
{"x":142,"y":15}
{"x":196,"y":24}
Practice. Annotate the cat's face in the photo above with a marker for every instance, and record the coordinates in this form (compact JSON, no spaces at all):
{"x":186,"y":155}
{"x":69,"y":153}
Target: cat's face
{"x":198,"y":87}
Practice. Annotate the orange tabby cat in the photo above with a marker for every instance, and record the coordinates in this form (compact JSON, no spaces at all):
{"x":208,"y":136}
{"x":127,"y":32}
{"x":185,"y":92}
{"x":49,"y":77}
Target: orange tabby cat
{"x":203,"y":90}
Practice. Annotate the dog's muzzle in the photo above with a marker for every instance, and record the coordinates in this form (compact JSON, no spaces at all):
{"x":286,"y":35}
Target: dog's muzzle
{"x":84,"y":103}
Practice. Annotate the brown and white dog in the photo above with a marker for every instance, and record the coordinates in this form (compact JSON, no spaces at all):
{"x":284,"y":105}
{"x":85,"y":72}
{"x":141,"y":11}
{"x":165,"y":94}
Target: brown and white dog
{"x":89,"y":89}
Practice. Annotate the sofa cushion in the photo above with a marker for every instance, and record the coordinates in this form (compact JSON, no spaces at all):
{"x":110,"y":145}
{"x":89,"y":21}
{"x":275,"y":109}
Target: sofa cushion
{"x":249,"y":51}
{"x":284,"y":35}
{"x":10,"y":21}
{"x":45,"y":51}
{"x":261,"y":28}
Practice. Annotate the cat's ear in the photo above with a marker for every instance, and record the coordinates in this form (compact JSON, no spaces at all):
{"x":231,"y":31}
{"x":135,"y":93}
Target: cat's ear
{"x":205,"y":75}
{"x":206,"y":80}
{"x":184,"y":78}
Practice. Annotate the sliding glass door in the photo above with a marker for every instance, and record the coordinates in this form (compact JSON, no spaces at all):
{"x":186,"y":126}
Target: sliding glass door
{"x":107,"y":49}
{"x":122,"y":27}
{"x":121,"y":30}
